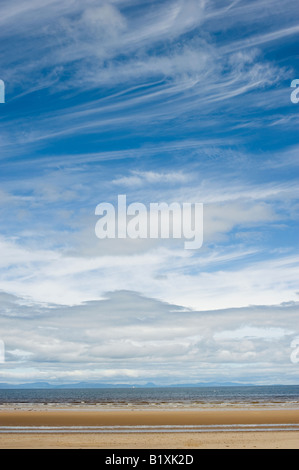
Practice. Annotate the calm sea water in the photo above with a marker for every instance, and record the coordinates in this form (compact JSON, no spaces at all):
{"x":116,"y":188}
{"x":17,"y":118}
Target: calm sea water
{"x":180,"y":396}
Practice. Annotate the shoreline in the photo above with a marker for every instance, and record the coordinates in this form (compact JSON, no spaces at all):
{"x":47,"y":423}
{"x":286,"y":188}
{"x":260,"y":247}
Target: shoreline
{"x":150,"y":407}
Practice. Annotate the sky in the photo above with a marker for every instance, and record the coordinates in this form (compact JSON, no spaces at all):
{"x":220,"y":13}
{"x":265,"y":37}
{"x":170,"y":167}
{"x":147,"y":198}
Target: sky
{"x":162,"y":101}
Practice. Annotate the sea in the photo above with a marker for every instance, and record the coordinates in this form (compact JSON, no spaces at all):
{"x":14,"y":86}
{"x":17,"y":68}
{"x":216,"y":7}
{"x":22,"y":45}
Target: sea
{"x":162,"y":397}
{"x":185,"y":398}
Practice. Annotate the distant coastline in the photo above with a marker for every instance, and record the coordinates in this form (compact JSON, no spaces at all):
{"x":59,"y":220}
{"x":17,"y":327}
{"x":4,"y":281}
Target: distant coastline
{"x":88,"y":385}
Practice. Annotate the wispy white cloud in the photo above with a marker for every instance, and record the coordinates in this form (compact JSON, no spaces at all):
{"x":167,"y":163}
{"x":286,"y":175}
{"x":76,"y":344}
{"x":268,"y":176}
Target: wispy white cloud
{"x":172,"y":275}
{"x":104,"y":46}
{"x":139,"y":178}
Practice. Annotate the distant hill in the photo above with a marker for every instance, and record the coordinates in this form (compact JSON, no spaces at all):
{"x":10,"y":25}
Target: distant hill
{"x":46,"y":385}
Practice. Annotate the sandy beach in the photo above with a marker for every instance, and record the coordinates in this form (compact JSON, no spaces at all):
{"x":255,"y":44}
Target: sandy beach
{"x":223,"y":440}
{"x":231,"y":428}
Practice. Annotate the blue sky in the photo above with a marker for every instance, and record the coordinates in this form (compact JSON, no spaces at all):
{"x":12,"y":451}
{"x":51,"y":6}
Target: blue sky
{"x":185,"y":101}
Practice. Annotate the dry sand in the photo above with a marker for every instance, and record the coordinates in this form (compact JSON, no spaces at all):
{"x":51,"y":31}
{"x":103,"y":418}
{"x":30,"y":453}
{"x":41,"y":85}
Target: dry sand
{"x":157,"y":440}
{"x":223,"y":440}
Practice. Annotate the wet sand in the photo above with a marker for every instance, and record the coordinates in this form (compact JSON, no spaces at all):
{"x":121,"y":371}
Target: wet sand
{"x":142,"y":440}
{"x":139,"y":417}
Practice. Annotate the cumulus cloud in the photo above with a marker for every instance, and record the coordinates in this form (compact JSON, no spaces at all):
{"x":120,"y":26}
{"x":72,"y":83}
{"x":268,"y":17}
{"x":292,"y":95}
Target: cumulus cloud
{"x":128,"y":337}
